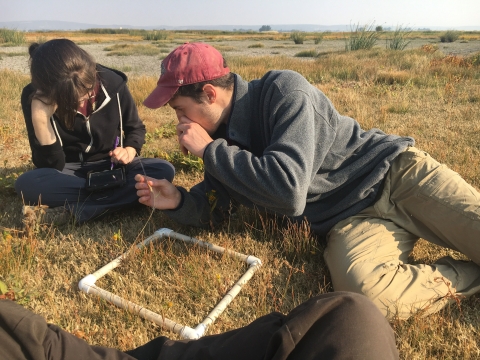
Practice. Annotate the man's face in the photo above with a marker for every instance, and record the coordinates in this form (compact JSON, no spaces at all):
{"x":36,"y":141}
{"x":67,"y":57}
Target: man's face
{"x":203,"y":114}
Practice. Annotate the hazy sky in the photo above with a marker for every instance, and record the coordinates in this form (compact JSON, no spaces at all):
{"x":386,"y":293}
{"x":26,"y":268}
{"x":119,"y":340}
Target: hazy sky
{"x":411,"y":13}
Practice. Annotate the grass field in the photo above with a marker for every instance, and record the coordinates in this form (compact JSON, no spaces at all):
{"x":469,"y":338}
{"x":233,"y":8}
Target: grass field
{"x":421,"y":92}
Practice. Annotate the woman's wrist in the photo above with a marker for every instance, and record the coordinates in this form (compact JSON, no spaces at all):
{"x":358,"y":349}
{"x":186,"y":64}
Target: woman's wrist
{"x":131,"y":153}
{"x":41,"y":114}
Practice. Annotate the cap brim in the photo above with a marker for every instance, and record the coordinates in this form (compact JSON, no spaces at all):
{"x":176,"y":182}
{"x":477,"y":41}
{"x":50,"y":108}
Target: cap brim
{"x":160,"y":96}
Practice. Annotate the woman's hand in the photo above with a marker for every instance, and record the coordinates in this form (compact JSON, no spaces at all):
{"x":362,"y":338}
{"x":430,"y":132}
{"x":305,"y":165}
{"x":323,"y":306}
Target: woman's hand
{"x":41,"y":114}
{"x":123,"y":155}
{"x":158,"y":194}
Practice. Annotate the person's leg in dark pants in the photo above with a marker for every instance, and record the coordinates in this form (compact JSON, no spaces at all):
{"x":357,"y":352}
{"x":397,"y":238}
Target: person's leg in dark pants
{"x":67,"y":188}
{"x":330,"y":326}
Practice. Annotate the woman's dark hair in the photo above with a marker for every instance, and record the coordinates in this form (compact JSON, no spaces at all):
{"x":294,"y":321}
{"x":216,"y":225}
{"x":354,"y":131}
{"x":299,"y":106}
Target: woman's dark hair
{"x":62,"y":72}
{"x":195,"y":90}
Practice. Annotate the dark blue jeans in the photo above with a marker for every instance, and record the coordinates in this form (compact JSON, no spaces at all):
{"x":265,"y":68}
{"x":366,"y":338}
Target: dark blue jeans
{"x":67,"y":188}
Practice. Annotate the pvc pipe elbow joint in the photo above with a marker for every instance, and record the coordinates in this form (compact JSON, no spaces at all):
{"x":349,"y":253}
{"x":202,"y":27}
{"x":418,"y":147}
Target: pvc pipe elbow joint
{"x":252,"y":260}
{"x":86,"y":283}
{"x":193,"y":334}
{"x":164,"y":232}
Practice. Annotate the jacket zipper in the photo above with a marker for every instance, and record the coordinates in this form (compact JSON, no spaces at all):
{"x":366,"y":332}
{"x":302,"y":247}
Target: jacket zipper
{"x":87,"y":119}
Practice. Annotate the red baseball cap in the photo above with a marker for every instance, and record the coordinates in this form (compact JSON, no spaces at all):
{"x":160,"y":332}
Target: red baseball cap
{"x":188,"y":64}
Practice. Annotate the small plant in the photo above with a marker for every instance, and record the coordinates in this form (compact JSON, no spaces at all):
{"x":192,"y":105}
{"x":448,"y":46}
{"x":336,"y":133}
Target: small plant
{"x":475,"y":59}
{"x":165,"y":131}
{"x":399,"y":40}
{"x":12,"y":37}
{"x":307,"y":53}
{"x":392,"y":77}
{"x":298,"y":37}
{"x":257,"y":45}
{"x":449,"y":36}
{"x":361,"y":38}
{"x":223,"y":48}
{"x":317,"y":39}
{"x":185,"y":162}
{"x":155,"y":35}
{"x":41,"y":39}
{"x":429,"y":48}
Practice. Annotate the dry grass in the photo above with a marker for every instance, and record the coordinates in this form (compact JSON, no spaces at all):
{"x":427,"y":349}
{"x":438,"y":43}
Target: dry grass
{"x":129,"y":49}
{"x":422,"y":93}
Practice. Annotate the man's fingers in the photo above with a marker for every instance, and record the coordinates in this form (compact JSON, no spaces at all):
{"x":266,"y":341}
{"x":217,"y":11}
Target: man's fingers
{"x":184,"y":120}
{"x":184,"y":150}
{"x":143,"y":193}
{"x":140,"y":178}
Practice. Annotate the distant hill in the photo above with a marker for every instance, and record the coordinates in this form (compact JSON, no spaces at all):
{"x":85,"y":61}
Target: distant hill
{"x":46,"y":25}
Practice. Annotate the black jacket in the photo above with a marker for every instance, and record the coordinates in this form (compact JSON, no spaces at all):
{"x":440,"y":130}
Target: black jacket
{"x":93,"y":138}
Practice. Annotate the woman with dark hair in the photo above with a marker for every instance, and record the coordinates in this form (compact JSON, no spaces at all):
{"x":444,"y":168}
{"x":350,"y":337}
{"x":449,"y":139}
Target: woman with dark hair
{"x":82,"y":124}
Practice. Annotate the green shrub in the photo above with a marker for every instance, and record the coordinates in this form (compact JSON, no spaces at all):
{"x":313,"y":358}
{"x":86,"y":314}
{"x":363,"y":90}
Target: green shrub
{"x":399,"y":39}
{"x":361,"y":38}
{"x":474,"y":59}
{"x":155,"y":35}
{"x":12,"y":37}
{"x":307,"y":53}
{"x":317,"y":39}
{"x":298,"y":37}
{"x":449,"y":36}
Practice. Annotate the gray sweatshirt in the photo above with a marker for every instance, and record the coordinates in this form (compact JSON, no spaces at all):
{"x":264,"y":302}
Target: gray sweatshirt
{"x":287,"y":150}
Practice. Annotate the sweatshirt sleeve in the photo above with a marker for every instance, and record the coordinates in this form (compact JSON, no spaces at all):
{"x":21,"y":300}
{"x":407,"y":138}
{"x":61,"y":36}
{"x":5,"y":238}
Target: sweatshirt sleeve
{"x":279,"y":178}
{"x":43,"y":156}
{"x":203,"y":206}
{"x":133,"y":127}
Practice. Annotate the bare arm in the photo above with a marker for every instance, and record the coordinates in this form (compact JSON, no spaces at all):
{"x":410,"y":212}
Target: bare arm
{"x":41,"y":114}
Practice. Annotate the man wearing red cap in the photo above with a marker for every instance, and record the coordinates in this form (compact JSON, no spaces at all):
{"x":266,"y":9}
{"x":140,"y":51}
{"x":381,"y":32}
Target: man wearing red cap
{"x":279,"y":144}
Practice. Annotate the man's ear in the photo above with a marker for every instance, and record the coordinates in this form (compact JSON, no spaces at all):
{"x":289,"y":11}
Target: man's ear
{"x":210,"y":92}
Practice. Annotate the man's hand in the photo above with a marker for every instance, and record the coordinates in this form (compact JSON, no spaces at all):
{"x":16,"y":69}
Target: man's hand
{"x":159,"y":194}
{"x":192,"y":137}
{"x":123,"y":155}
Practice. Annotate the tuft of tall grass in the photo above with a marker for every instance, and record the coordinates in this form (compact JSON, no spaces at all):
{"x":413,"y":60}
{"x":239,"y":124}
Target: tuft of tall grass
{"x":256,"y":45}
{"x":11,"y":37}
{"x":224,"y":48}
{"x":399,"y":39}
{"x":449,"y":36}
{"x":361,"y":38}
{"x":318,"y":37}
{"x":392,"y":77}
{"x":307,"y":53}
{"x":155,"y":35}
{"x":298,"y":37}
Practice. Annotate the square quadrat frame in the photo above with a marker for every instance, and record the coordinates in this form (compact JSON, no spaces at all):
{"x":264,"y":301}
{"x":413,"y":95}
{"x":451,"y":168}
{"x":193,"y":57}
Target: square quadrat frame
{"x":87,"y":285}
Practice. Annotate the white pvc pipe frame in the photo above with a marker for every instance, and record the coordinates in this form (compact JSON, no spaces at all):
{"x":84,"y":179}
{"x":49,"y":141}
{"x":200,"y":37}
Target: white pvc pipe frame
{"x":87,"y":285}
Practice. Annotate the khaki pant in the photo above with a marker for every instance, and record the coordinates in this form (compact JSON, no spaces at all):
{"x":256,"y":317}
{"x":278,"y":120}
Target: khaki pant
{"x":368,"y":253}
